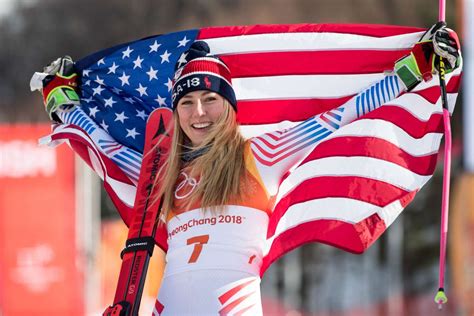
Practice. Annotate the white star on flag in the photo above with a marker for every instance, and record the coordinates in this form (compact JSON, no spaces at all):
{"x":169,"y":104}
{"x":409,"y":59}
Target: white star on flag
{"x":98,"y":90}
{"x":165,"y":57}
{"x":109,"y":102}
{"x":88,"y":100}
{"x":154,"y":47}
{"x":120,"y":117}
{"x":85,"y":72}
{"x":161,"y":101}
{"x":101,"y":62}
{"x":126,"y":53}
{"x":112,"y":68}
{"x":132,"y":133}
{"x":138,"y":62}
{"x":141,"y":89}
{"x":152,"y":73}
{"x":129,"y":100}
{"x":182,"y":59}
{"x":124,"y":78}
{"x":93,"y":111}
{"x":104,"y":126}
{"x":87,"y":83}
{"x":183,"y":42}
{"x":141,"y":114}
{"x":116,"y":90}
{"x":99,"y":81}
{"x":169,"y":84}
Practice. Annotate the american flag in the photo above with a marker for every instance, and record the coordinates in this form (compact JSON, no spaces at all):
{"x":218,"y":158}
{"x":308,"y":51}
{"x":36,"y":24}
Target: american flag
{"x":348,"y":190}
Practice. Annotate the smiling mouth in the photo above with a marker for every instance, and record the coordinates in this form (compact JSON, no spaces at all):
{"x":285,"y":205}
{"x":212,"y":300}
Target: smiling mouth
{"x":201,"y":125}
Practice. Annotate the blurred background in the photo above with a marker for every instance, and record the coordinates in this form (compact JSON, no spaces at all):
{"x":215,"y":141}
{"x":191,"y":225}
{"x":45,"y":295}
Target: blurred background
{"x":60,"y":237}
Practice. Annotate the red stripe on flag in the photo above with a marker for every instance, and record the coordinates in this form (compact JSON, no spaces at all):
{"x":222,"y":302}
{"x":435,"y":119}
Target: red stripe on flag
{"x":351,"y":187}
{"x":78,"y":146}
{"x":432,"y":94}
{"x":353,"y":238}
{"x":408,"y":198}
{"x":453,"y":84}
{"x":252,"y":112}
{"x":375,"y":30}
{"x":374,"y":148}
{"x":406,"y":121}
{"x":311,"y":62}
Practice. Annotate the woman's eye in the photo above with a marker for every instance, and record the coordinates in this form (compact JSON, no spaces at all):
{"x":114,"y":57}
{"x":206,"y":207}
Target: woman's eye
{"x":186,"y":103}
{"x":210,"y":99}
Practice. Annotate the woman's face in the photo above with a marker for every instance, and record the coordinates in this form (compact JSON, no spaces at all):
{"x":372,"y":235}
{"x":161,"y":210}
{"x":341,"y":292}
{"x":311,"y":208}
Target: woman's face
{"x":197,"y":112}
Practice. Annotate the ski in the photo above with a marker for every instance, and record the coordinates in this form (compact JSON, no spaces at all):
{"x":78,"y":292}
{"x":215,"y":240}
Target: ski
{"x":143,"y":224}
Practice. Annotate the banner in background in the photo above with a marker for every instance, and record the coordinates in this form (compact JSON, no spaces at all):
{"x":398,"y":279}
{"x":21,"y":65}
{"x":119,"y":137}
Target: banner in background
{"x":40,"y":271}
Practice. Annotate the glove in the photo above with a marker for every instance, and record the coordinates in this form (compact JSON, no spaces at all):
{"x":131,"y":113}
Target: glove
{"x":58,"y":84}
{"x":446,"y":45}
{"x":423,"y":60}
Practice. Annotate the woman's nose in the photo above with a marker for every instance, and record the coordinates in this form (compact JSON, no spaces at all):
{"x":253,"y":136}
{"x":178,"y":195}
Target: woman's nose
{"x":200,"y":109}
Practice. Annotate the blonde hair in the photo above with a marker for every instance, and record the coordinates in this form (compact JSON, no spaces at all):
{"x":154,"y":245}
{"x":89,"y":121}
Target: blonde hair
{"x":220,"y":168}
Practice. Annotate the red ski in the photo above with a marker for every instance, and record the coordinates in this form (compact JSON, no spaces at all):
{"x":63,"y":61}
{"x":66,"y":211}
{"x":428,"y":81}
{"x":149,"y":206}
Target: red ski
{"x":143,"y":224}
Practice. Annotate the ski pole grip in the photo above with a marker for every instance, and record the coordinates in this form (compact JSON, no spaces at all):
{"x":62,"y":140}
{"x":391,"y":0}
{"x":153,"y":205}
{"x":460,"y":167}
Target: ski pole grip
{"x":119,"y":309}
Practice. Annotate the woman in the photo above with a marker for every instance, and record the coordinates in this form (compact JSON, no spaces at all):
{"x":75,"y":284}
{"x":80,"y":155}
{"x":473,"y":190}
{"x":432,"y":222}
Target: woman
{"x":217,"y":187}
{"x":215,"y":204}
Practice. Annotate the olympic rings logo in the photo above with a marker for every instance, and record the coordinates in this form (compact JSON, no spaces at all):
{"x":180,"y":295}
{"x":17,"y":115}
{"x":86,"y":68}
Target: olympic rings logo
{"x":187,"y":181}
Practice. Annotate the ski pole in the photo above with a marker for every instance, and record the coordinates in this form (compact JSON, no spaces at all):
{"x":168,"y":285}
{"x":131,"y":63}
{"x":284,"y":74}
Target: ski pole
{"x":440,"y":297}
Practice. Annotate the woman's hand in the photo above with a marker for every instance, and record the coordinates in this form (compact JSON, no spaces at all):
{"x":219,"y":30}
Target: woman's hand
{"x":423,"y":60}
{"x":58,"y":85}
